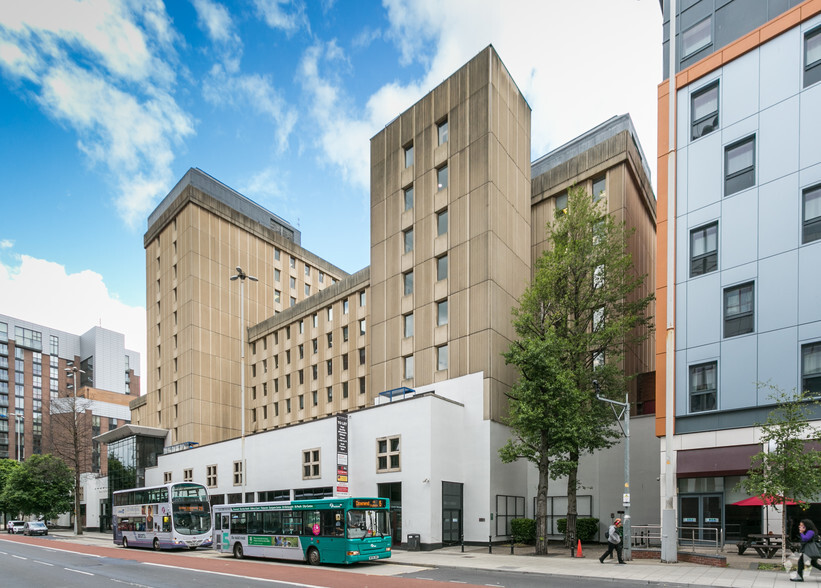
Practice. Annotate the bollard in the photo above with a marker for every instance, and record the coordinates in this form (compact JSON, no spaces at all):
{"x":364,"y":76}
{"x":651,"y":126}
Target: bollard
{"x":511,"y":546}
{"x":490,"y":543}
{"x":463,"y":542}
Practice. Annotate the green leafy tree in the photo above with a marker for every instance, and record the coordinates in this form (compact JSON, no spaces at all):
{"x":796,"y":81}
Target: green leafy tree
{"x":573,"y":323}
{"x":42,"y":485}
{"x":7,"y":466}
{"x":788,"y":468}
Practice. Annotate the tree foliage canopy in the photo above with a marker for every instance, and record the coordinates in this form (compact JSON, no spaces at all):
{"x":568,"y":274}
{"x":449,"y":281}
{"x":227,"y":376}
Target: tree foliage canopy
{"x":42,"y":485}
{"x":573,"y":322}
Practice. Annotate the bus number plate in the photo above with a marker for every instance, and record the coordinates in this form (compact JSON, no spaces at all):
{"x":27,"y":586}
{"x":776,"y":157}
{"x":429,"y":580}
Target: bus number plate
{"x":374,"y":557}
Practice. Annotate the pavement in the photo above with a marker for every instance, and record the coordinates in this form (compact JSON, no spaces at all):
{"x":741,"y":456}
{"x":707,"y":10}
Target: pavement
{"x":741,"y":570}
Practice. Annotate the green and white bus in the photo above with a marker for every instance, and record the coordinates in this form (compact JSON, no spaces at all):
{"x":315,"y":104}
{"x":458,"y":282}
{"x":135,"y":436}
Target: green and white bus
{"x":328,"y":530}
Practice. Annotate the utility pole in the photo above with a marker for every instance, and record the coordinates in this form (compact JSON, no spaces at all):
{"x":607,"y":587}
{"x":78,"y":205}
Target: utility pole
{"x":625,"y":412}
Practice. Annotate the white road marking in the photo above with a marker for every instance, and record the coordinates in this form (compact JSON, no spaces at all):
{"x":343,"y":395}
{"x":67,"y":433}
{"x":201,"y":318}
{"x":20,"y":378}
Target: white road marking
{"x":19,"y":557}
{"x":78,"y":571}
{"x":45,"y":563}
{"x":236,"y":576}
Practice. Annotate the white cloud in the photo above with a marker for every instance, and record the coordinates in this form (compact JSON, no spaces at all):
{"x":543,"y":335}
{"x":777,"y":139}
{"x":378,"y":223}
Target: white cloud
{"x":286,"y":15}
{"x":575,"y":71}
{"x":27,"y":291}
{"x":215,"y":20}
{"x":94,"y":66}
{"x":6,"y":244}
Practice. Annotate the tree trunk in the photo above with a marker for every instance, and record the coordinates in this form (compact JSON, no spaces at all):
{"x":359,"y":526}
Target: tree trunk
{"x":541,"y":504}
{"x":572,"y":509}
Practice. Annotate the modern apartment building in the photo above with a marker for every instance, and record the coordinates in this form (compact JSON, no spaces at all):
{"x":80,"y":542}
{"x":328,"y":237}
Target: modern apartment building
{"x":33,"y":378}
{"x":739,"y":212}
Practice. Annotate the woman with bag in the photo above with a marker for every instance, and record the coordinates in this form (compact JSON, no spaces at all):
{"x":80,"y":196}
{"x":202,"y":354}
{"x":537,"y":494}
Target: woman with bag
{"x":809,"y":548}
{"x":613,"y":542}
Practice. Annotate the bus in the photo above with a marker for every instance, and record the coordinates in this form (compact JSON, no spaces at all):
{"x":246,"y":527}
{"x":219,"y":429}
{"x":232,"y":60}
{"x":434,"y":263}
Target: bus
{"x":171,"y":516}
{"x":328,"y":530}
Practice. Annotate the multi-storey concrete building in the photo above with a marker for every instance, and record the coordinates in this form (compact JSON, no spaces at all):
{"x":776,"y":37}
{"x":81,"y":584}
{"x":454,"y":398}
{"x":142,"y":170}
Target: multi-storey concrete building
{"x":33,"y":376}
{"x":738,"y":239}
{"x":407,"y":352}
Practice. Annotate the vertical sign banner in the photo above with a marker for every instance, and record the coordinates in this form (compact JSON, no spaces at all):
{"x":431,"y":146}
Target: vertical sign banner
{"x":342,"y":479}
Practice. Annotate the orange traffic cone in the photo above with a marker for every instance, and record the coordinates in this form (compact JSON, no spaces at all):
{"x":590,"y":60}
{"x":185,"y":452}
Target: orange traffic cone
{"x":579,"y":549}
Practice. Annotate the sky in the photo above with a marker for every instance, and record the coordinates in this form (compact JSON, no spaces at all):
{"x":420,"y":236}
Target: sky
{"x":105,"y":104}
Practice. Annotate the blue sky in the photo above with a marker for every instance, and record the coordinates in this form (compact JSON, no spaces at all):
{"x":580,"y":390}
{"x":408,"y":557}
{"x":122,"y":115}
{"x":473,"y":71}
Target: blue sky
{"x":104,"y":105}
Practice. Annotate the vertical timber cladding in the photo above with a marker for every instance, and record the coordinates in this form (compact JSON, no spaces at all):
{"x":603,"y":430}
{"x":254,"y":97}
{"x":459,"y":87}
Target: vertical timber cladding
{"x":488,"y":236}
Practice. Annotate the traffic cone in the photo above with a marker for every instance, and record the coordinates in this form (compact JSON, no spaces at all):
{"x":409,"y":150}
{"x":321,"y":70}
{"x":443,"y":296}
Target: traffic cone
{"x":579,"y":549}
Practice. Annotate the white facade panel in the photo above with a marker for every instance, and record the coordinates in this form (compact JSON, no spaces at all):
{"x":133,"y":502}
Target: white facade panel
{"x":777,"y":361}
{"x":704,"y":168}
{"x":739,"y":221}
{"x":776,"y":294}
{"x":809,"y":283}
{"x":738,"y":374}
{"x":681,"y":308}
{"x":741,"y":83}
{"x":779,"y":216}
{"x":704,"y":310}
{"x":810,"y":145}
{"x":778,"y":141}
{"x":780,"y":68}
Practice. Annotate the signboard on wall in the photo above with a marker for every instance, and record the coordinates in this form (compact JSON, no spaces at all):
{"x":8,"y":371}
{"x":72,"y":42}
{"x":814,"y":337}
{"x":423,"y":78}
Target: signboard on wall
{"x":342,"y":479}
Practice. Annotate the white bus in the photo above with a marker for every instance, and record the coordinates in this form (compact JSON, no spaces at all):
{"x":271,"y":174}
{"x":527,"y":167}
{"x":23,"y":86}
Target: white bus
{"x":171,"y":516}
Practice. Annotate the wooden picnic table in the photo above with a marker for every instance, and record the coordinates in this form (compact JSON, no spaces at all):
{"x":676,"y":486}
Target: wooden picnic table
{"x":766,"y":545}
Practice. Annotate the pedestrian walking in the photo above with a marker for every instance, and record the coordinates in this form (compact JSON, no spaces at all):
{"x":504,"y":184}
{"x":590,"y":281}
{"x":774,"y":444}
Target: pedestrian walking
{"x":613,"y":542}
{"x":809,"y":548}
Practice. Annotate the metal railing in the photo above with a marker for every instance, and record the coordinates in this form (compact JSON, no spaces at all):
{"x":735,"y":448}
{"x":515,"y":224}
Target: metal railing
{"x":649,"y":537}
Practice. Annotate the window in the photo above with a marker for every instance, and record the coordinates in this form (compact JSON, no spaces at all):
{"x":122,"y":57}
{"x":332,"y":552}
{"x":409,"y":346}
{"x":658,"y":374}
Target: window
{"x":310,"y":464}
{"x":442,"y":357}
{"x":408,"y":155}
{"x":292,"y":262}
{"x":330,"y":337}
{"x":811,"y":206}
{"x":442,"y":131}
{"x":387,"y":454}
{"x":361,"y":356}
{"x":307,"y":270}
{"x":442,"y":178}
{"x":188,"y":475}
{"x":292,"y":301}
{"x":599,"y":188}
{"x":696,"y":38}
{"x":344,"y":361}
{"x":307,"y":289}
{"x":812,"y":56}
{"x":277,"y":296}
{"x":561,"y":203}
{"x":361,"y":326}
{"x":330,"y":391}
{"x":442,"y":268}
{"x":292,"y":283}
{"x":345,"y":306}
{"x":237,"y":473}
{"x":288,"y":405}
{"x":408,"y":371}
{"x":362,"y":385}
{"x":344,"y":389}
{"x":407,"y":238}
{"x":739,"y":165}
{"x":598,"y":319}
{"x":739,"y":304}
{"x":329,"y":367}
{"x":408,"y":320}
{"x":704,"y":111}
{"x":329,"y":313}
{"x":314,"y":320}
{"x":597,"y":360}
{"x":811,"y":368}
{"x":314,"y":372}
{"x":409,"y":198}
{"x":407,"y":279}
{"x":276,"y":253}
{"x":314,"y":398}
{"x":277,"y":275}
{"x":362,"y":299}
{"x":301,"y":402}
{"x":703,"y":387}
{"x":442,"y":313}
{"x":442,"y":222}
{"x":166,"y":476}
{"x":704,"y":250}
{"x":211,"y":476}
{"x":344,"y":333}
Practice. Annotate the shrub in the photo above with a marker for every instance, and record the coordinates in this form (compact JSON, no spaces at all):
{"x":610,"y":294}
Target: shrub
{"x":523,"y":530}
{"x":586,"y":529}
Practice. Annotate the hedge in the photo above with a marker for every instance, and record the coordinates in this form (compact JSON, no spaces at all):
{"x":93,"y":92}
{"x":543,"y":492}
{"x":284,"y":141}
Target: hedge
{"x":523,"y":531}
{"x":586,"y":529}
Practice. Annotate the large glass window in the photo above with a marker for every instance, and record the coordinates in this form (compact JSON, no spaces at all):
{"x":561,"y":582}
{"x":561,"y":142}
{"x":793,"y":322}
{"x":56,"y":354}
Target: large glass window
{"x":703,"y":386}
{"x":704,"y":111}
{"x":739,"y":306}
{"x":696,"y":38}
{"x":812,"y":56}
{"x":739,"y":165}
{"x":704,"y":249}
{"x":811,"y":368}
{"x":811,"y":206}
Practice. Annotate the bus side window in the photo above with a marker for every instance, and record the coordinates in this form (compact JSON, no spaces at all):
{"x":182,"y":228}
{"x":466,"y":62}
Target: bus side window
{"x":224,"y":521}
{"x":166,"y":524}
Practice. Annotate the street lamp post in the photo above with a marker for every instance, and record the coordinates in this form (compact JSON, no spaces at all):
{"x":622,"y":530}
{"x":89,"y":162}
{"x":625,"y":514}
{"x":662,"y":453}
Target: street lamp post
{"x":72,"y":370}
{"x":242,"y":276}
{"x":18,"y":432}
{"x":625,"y":412}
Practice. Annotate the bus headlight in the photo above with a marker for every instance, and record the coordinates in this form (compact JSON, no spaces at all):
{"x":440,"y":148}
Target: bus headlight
{"x":388,"y":548}
{"x":352,"y":553}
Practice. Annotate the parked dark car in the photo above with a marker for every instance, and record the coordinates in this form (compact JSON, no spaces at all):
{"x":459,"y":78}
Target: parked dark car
{"x":35,"y":528}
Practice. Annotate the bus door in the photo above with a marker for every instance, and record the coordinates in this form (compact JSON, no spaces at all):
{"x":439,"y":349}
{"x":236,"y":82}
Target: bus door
{"x":326,"y":530}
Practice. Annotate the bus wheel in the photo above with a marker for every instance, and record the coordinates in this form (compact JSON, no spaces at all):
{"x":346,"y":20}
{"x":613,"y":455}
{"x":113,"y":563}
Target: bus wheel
{"x":156,"y":544}
{"x":238,"y":551}
{"x":313,"y":556}
{"x":125,"y":543}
